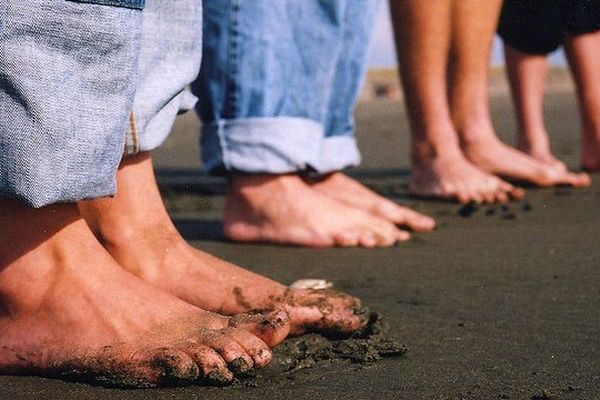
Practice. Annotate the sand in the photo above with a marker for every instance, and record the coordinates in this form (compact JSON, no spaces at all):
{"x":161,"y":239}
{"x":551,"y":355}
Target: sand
{"x":498,"y":303}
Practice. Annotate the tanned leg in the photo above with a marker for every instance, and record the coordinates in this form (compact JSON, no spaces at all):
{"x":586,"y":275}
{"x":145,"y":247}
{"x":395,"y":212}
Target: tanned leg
{"x":584,"y":57}
{"x":527,"y":76}
{"x":69,"y":310}
{"x":474,"y":24}
{"x":137,"y":231}
{"x":439,"y":169}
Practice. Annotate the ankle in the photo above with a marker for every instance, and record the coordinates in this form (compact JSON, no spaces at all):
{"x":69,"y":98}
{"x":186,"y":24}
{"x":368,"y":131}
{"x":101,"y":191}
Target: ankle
{"x":247,"y":185}
{"x":42,"y":257}
{"x":533,"y":143}
{"x":424,"y":153}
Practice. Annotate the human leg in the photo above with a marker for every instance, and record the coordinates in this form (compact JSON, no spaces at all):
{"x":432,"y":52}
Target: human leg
{"x":266,"y":134}
{"x":584,"y":53}
{"x":49,"y":52}
{"x":162,"y":257}
{"x":530,"y":30}
{"x":339,"y":125}
{"x":527,"y":76}
{"x":474,"y":26}
{"x":136,"y":229}
{"x":423,"y":32}
{"x":67,"y":309}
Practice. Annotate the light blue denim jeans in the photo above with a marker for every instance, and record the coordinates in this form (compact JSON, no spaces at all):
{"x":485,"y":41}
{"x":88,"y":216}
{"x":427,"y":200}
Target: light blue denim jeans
{"x":279,"y":82}
{"x":68,"y":78}
{"x":169,"y":61}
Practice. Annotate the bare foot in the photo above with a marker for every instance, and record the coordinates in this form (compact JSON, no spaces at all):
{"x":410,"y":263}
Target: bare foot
{"x":69,"y":311}
{"x":452,"y":177}
{"x":494,"y":157}
{"x":284,"y":209}
{"x":142,"y":238}
{"x":540,"y":152}
{"x":351,"y":192}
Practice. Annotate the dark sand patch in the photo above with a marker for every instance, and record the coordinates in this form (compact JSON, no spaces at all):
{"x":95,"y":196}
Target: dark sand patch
{"x":369,"y":345}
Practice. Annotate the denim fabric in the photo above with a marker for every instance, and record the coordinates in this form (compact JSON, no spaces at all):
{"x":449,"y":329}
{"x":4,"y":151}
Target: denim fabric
{"x":137,"y":4}
{"x":169,"y":61}
{"x":279,"y":82}
{"x":66,"y":86}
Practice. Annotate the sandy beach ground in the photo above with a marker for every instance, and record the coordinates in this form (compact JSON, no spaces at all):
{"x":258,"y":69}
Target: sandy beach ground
{"x":498,"y":303}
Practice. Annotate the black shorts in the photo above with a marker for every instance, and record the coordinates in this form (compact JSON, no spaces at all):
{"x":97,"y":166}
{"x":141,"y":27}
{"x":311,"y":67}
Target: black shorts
{"x":538,"y":26}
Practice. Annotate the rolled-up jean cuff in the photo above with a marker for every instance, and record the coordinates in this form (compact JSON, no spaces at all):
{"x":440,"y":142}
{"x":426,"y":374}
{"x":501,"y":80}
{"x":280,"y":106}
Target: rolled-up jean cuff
{"x":276,"y":145}
{"x":338,"y":153}
{"x":148,"y":132}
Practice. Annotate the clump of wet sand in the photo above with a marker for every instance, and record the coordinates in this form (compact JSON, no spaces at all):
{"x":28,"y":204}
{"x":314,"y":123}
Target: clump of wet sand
{"x":370,"y":344}
{"x":311,"y":351}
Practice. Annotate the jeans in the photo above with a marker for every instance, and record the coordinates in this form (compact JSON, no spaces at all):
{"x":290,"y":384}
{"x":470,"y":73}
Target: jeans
{"x":279,"y":82}
{"x":169,"y":61}
{"x":69,"y":82}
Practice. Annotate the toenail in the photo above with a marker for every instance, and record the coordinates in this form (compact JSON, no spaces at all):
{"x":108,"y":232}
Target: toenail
{"x":239,"y":366}
{"x":218,"y":378}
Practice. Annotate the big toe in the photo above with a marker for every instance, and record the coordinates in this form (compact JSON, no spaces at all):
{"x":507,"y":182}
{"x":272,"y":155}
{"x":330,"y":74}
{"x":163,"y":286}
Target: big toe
{"x":556,"y":177}
{"x":414,"y":220}
{"x":325,"y":311}
{"x":583,"y":180}
{"x":117,"y":368}
{"x":272,"y":327}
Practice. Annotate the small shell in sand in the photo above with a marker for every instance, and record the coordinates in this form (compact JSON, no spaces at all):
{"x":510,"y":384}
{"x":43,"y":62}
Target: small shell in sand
{"x":311,"y":284}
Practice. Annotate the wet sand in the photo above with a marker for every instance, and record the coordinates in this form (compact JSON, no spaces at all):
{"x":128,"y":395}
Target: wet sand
{"x":498,"y":303}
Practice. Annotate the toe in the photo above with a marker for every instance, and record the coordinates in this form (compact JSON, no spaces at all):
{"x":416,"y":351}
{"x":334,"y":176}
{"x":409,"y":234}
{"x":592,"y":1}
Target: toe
{"x":349,"y":238}
{"x":367,"y":239}
{"x":400,"y":236}
{"x":583,"y":180}
{"x":476,"y":195}
{"x":513,"y":192}
{"x":325,"y":311}
{"x":236,"y":357}
{"x":502,"y":197}
{"x":117,"y":367}
{"x":414,"y":220}
{"x":212,"y":367}
{"x":174,"y":367}
{"x":385,"y":233}
{"x":463,"y":197}
{"x":257,"y":349}
{"x":272,"y":328}
{"x":489,"y":197}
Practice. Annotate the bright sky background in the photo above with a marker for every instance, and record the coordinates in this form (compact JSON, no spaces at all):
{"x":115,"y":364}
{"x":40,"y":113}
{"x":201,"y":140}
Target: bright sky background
{"x":383,"y":53}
